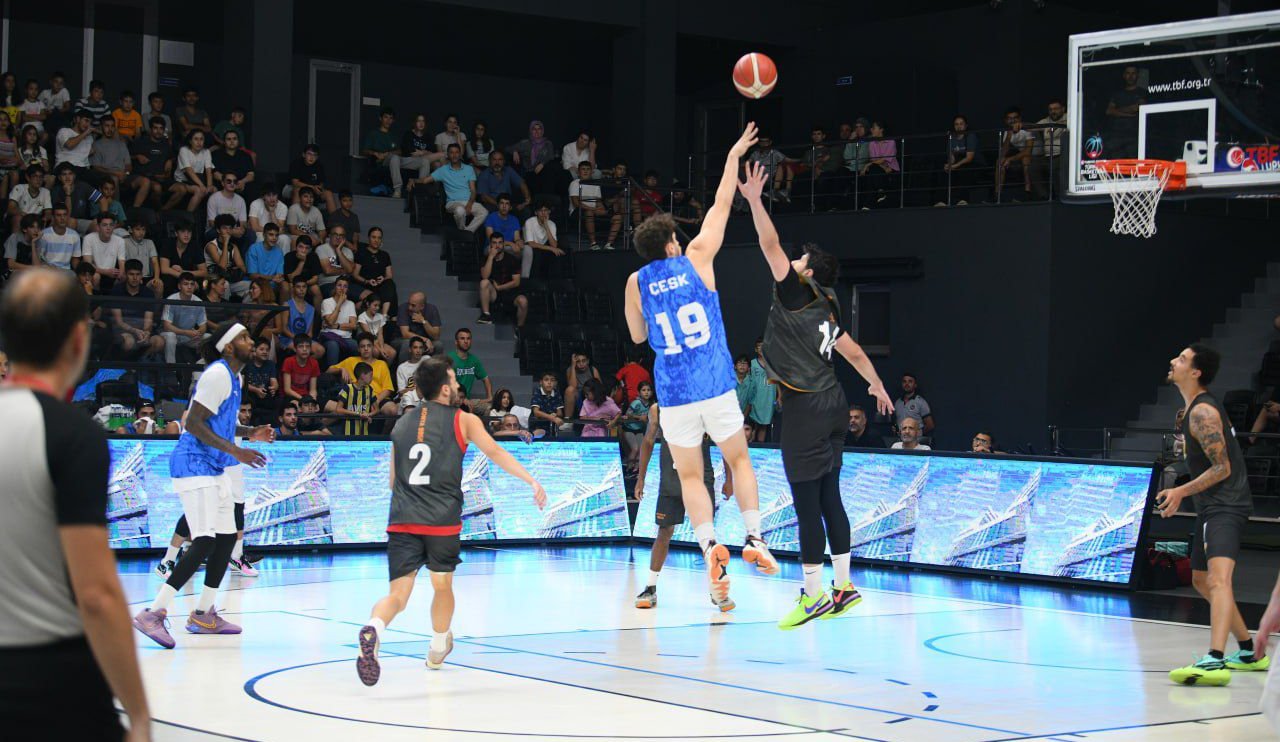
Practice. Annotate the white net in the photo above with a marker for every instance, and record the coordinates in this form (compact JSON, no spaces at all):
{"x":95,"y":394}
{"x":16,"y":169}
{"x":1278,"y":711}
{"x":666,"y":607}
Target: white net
{"x":1136,"y":192}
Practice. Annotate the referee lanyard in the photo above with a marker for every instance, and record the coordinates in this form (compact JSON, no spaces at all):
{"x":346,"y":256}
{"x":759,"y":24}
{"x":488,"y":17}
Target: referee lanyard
{"x":36,"y":384}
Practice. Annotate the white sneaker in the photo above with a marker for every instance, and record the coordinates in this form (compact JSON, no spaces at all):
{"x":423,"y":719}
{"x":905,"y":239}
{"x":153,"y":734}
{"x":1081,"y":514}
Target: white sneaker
{"x":243,"y":567}
{"x":435,"y":660}
{"x":756,"y":552}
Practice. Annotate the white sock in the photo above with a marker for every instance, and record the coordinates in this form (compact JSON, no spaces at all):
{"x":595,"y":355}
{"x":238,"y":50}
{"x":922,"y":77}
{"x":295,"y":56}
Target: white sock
{"x":206,"y":599}
{"x":813,"y":580}
{"x":237,"y":551}
{"x":438,"y":641}
{"x":705,"y":533}
{"x":751,"y":519}
{"x":171,"y":554}
{"x":841,"y":564}
{"x":378,"y":625}
{"x":164,"y":596}
{"x":653,"y":578}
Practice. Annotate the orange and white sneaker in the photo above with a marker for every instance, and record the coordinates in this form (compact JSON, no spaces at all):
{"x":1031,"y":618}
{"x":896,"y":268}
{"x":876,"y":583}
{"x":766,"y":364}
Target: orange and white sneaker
{"x":717,"y":558}
{"x":756,"y":552}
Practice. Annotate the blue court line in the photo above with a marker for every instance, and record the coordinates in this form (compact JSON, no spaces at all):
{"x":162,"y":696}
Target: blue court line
{"x":766,"y":662}
{"x":1083,"y":732}
{"x":898,"y":720}
{"x":667,"y":654}
{"x":251,"y":690}
{"x":931,"y":643}
{"x":931,"y":708}
{"x":899,"y":682}
{"x":836,"y":669}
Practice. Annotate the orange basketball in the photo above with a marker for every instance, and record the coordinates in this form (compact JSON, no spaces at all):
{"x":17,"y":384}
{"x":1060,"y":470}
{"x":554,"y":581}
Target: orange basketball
{"x":755,"y":75}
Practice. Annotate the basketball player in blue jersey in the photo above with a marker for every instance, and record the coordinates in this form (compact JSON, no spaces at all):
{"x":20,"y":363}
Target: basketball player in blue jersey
{"x":197,"y":468}
{"x":672,"y":303}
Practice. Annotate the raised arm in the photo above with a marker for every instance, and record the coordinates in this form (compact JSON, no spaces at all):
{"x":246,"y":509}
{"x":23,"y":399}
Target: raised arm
{"x":768,"y":236}
{"x":475,"y":432}
{"x":857,"y":357}
{"x":711,"y":236}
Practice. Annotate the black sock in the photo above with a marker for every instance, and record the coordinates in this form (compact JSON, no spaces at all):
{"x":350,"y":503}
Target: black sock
{"x":1216,"y":654}
{"x":1246,"y":645}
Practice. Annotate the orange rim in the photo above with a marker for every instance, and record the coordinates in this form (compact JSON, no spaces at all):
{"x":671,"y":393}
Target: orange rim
{"x":1177,"y":170}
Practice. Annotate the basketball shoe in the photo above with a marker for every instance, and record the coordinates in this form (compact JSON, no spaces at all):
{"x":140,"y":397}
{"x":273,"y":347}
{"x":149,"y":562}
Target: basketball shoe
{"x":717,"y":559}
{"x":842,"y":600}
{"x":367,"y":666}
{"x":1242,"y":661}
{"x":243,"y":567}
{"x":1208,"y":670}
{"x":154,"y":626}
{"x":648,"y":598}
{"x":435,"y":659}
{"x":756,"y":552}
{"x":209,"y":622}
{"x":807,"y":608}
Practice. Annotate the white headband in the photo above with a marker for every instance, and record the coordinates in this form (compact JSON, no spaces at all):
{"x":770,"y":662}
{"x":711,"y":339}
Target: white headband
{"x":230,"y":335}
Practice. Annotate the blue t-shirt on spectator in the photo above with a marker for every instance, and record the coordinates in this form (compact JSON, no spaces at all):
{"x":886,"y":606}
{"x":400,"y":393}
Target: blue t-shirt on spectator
{"x":300,"y":321}
{"x":265,"y":262}
{"x":491,"y":185}
{"x":455,"y":181}
{"x":507,"y":227}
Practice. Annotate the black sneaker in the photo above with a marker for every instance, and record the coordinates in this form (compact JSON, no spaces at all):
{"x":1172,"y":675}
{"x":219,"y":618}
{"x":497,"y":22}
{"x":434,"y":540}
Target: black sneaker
{"x":165,"y":568}
{"x":485,"y":319}
{"x":648,"y":598}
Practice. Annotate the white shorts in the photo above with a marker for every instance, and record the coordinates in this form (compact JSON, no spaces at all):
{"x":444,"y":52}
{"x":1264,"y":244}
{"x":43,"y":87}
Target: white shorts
{"x":210,"y":509}
{"x":235,"y":480}
{"x":719,"y":417}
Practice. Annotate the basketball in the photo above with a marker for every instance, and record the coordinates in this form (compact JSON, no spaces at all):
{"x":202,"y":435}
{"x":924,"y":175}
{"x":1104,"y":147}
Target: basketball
{"x":755,"y":75}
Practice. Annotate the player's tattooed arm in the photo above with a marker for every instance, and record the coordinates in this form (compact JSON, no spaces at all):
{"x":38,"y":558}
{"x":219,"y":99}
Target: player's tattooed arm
{"x":1206,"y":428}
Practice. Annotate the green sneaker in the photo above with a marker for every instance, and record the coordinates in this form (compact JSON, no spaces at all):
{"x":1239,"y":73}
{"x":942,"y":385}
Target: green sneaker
{"x":806,"y":610}
{"x":1242,"y":661}
{"x":1206,"y":671}
{"x":842,"y":599}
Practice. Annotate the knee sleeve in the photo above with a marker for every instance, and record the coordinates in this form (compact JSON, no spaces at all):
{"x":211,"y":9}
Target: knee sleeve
{"x":239,"y":516}
{"x":216,"y":569}
{"x":200,"y":550}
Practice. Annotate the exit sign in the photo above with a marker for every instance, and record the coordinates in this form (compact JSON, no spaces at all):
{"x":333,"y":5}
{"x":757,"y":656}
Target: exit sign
{"x":846,"y":80}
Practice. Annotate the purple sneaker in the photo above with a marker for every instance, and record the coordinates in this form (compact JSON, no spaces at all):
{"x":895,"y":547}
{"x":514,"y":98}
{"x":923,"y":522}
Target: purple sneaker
{"x":367,"y":666}
{"x":210,"y":622}
{"x":152,"y":624}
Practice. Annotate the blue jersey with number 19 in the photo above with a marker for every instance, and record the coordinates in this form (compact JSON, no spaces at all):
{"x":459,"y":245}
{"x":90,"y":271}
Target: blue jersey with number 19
{"x":686,"y":333}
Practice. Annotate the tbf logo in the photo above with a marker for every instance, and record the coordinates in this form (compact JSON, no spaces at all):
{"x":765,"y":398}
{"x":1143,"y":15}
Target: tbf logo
{"x":1093,"y":147}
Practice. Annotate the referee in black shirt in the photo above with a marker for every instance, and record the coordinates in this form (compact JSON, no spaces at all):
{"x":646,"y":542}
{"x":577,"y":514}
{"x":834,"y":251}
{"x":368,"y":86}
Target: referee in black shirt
{"x":66,"y":645}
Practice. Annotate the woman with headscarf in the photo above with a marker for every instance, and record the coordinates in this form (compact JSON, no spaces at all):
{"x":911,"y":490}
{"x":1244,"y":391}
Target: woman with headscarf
{"x":534,"y":156}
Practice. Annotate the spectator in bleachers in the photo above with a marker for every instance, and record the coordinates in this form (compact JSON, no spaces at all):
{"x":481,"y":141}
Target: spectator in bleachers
{"x":59,"y":244}
{"x":632,"y":375}
{"x":859,"y":436}
{"x":469,"y":369}
{"x":21,"y":249}
{"x":181,"y":325}
{"x":30,"y":152}
{"x":499,"y":407}
{"x":217,"y":294}
{"x":373,"y":322}
{"x":304,"y":217}
{"x":590,"y":200}
{"x":234,"y":122}
{"x":547,"y":404}
{"x":109,"y":156}
{"x":375,"y":275}
{"x":764,"y":403}
{"x":452,"y":134}
{"x":597,"y":405}
{"x":357,"y":402}
{"x":1267,"y":421}
{"x":685,"y":209}
{"x":134,"y":322}
{"x":880,"y":174}
{"x":582,"y":149}
{"x":983,"y":442}
{"x":287,"y":423}
{"x":127,"y":119}
{"x":503,"y":222}
{"x":1015,"y":155}
{"x":775,"y":165}
{"x":181,"y":256}
{"x":580,"y":371}
{"x":194,"y":174}
{"x":109,"y":204}
{"x":1046,"y":152}
{"x":95,"y":103}
{"x":338,"y":321}
{"x":30,"y":199}
{"x":33,"y":110}
{"x":379,"y":144}
{"x":101,"y":336}
{"x":909,"y":436}
{"x":155,"y":103}
{"x":301,"y":318}
{"x":534,"y":157}
{"x":482,"y":145}
{"x":9,"y":162}
{"x":856,"y":148}
{"x":309,"y":425}
{"x":76,"y":195}
{"x":337,"y":257}
{"x":302,"y":263}
{"x":822,"y":164}
{"x":746,"y":389}
{"x":498,"y":179}
{"x":647,"y":200}
{"x":383,"y":387}
{"x":1122,"y":115}
{"x":152,"y":163}
{"x":226,"y":201}
{"x":416,"y":318}
{"x":268,"y":209}
{"x":964,"y":160}
{"x":231,"y":160}
{"x":459,"y":183}
{"x":417,"y":151}
{"x":346,"y":217}
{"x":509,"y":427}
{"x":189,"y":117}
{"x":912,"y":406}
{"x":223,"y":257}
{"x":300,"y":371}
{"x":261,"y":386}
{"x":56,"y":98}
{"x":500,"y":283}
{"x":541,"y":238}
{"x":262,"y":323}
{"x":10,"y":98}
{"x":308,"y":172}
{"x":105,"y":251}
{"x":406,"y":370}
{"x":635,"y":422}
{"x":266,"y":260}
{"x":139,"y":247}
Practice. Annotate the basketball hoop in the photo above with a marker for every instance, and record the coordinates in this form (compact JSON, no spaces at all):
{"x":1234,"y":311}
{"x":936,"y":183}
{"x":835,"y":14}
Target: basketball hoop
{"x":1136,"y":187}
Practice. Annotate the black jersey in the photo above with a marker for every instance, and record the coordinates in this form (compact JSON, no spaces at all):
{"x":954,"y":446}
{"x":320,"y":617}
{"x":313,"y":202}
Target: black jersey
{"x":798,"y":342}
{"x":427,"y":446}
{"x":1233,"y":492}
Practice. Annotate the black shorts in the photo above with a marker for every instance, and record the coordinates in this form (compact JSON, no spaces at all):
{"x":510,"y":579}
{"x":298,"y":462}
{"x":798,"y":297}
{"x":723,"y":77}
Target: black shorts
{"x":39,"y":685}
{"x":1218,"y":534}
{"x":409,"y":552}
{"x":670,"y":509}
{"x":813,"y":429}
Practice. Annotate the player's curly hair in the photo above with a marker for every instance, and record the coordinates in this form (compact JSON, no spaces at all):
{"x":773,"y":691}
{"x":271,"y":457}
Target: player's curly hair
{"x":653,"y":235}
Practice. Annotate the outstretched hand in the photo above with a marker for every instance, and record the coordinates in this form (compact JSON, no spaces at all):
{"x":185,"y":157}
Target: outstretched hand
{"x":756,"y":179}
{"x":745,"y":141}
{"x":884,"y":405}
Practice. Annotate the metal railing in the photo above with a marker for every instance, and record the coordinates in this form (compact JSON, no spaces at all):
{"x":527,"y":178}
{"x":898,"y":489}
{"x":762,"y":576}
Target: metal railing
{"x":631,"y":196}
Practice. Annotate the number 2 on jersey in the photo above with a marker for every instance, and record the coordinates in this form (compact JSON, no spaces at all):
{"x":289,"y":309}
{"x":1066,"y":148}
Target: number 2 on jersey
{"x":693,"y":323}
{"x":421,"y":454}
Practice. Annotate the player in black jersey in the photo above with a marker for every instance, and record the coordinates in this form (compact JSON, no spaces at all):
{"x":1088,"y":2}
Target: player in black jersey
{"x":802,"y":331}
{"x":427,"y":445}
{"x":669,"y":511}
{"x":1219,"y":487}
